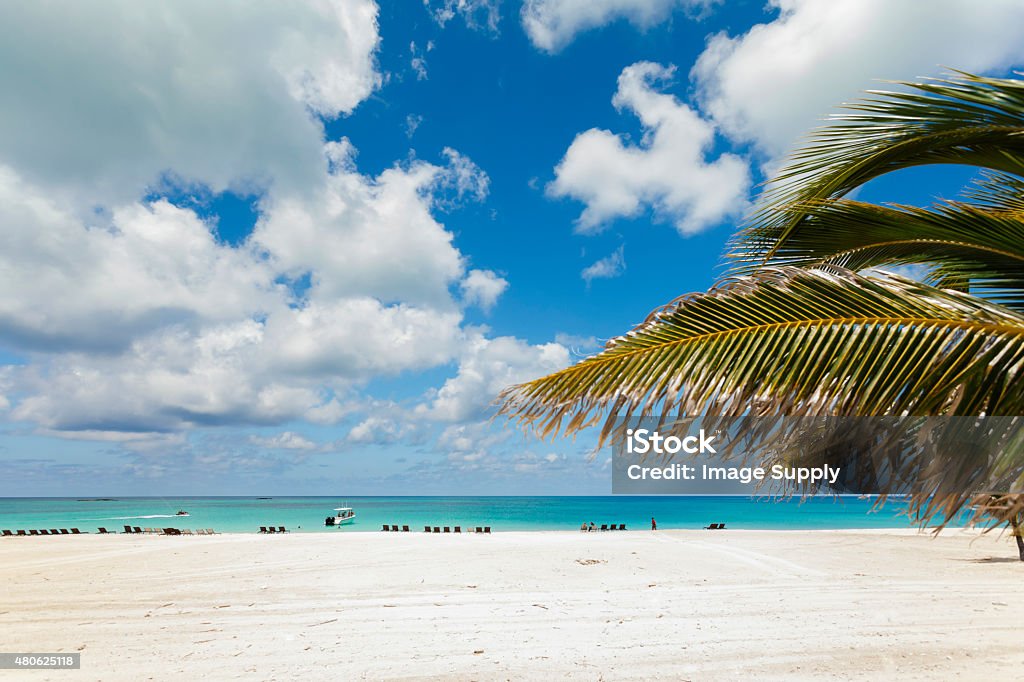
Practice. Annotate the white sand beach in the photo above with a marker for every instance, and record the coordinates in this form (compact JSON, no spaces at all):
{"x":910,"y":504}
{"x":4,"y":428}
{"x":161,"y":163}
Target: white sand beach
{"x":856,"y":605}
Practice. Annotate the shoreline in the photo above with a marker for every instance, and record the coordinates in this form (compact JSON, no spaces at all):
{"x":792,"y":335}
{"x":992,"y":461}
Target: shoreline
{"x":962,"y":530}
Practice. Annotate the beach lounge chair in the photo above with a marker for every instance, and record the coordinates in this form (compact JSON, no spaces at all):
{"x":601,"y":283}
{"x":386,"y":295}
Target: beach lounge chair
{"x":33,"y":532}
{"x":487,"y":529}
{"x":281,"y":529}
{"x":426,"y":529}
{"x":263,"y":529}
{"x":186,"y":531}
{"x":271,"y":529}
{"x":447,"y":529}
{"x":64,"y":531}
{"x":127,"y":529}
{"x":604,"y":526}
{"x":385,"y":528}
{"x":713,"y":526}
{"x":209,"y":531}
{"x":75,"y":531}
{"x":103,"y":531}
{"x":138,"y":529}
{"x":622,"y":526}
{"x":43,"y":531}
{"x":458,"y":529}
{"x":394,"y":528}
{"x":53,"y":531}
{"x":479,"y":529}
{"x":405,"y":529}
{"x":22,"y":533}
{"x":437,"y":529}
{"x":8,"y":534}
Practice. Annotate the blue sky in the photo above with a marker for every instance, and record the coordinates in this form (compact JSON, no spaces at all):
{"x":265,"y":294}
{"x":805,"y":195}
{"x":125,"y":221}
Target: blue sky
{"x":259,"y":251}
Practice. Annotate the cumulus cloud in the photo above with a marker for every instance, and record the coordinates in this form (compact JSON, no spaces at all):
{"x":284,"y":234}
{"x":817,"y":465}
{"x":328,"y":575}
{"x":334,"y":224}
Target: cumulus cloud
{"x":225,"y":94}
{"x":779,"y":79}
{"x":482,"y":288}
{"x":478,"y":14}
{"x":148,"y":323}
{"x":669,"y":170}
{"x":372,"y":236}
{"x":608,"y":267}
{"x":170,"y":380}
{"x":553,"y":24}
{"x":98,"y":286}
{"x":485,"y":368}
{"x":356,"y":338}
{"x":134,"y":321}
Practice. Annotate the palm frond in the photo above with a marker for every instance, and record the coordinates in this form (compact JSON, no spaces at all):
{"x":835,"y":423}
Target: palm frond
{"x":791,"y":341}
{"x":968,"y":119}
{"x":997,"y":192}
{"x":975,"y":245}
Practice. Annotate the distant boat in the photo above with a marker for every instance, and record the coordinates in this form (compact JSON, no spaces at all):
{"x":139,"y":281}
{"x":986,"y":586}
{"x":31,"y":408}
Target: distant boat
{"x":182,"y":512}
{"x":342,"y":516}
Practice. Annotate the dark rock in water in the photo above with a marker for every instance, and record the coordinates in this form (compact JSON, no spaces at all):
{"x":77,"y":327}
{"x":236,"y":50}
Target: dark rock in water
{"x":99,"y":499}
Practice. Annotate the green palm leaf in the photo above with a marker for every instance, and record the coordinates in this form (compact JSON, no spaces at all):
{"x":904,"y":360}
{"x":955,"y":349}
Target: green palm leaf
{"x":790,"y":341}
{"x":997,"y":191}
{"x":969,"y":120}
{"x":980,"y":245}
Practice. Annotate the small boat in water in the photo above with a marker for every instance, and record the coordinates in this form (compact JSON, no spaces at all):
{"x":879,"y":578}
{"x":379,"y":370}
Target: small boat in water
{"x":342,"y":516}
{"x":182,"y":512}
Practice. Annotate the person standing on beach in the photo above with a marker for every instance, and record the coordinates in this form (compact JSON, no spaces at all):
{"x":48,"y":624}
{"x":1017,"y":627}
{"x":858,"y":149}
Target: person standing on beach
{"x":654,"y":524}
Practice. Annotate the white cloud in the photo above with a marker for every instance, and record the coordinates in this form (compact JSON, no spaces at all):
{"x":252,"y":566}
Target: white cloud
{"x":608,"y":267}
{"x":147,"y":323}
{"x":219,"y":93}
{"x":289,"y":440}
{"x":375,"y":430}
{"x":170,"y":380}
{"x":460,"y":181}
{"x":373,"y":237}
{"x":97,"y":286}
{"x":781,"y":78}
{"x":578,"y":344}
{"x":668,"y":171}
{"x":418,"y":62}
{"x":472,"y":446}
{"x":485,"y":368}
{"x":357,"y":338}
{"x":553,"y":24}
{"x":478,"y":14}
{"x":412,"y":123}
{"x":482,"y":288}
{"x":135,"y":322}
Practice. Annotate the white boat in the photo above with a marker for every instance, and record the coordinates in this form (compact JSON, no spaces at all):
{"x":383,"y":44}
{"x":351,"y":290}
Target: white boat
{"x":342,"y":516}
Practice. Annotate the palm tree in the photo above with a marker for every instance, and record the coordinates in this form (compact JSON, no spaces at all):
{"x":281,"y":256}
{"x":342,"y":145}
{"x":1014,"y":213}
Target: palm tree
{"x":805,"y":325}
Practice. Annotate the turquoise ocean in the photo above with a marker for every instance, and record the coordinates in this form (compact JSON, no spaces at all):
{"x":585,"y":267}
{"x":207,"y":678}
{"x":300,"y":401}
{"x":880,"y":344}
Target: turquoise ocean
{"x":306,"y":514}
